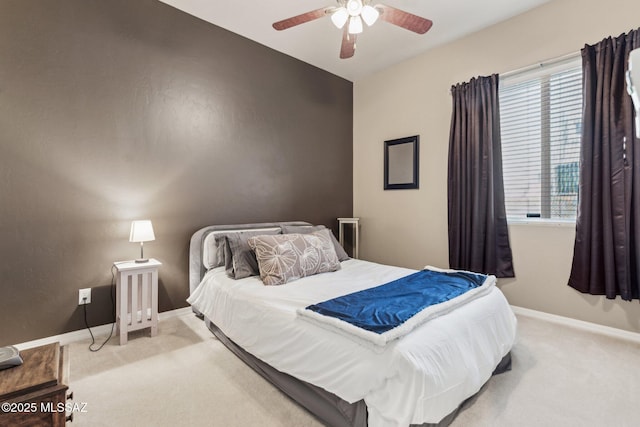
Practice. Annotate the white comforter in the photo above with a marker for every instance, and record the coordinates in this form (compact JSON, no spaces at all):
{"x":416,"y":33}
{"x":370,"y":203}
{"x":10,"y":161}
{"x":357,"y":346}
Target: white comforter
{"x":418,"y":378}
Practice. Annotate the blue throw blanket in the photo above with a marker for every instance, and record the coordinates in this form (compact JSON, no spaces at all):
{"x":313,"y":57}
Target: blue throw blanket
{"x":387,"y":306}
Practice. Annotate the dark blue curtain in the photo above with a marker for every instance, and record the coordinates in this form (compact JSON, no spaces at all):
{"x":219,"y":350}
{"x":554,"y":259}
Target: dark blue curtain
{"x":478,"y":233}
{"x":606,"y":251}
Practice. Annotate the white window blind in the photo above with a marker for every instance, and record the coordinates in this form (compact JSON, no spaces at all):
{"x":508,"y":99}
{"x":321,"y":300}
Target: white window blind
{"x":540,"y":124}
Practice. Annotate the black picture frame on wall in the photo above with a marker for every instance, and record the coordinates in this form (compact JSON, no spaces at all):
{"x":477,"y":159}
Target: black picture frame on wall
{"x":401,"y":163}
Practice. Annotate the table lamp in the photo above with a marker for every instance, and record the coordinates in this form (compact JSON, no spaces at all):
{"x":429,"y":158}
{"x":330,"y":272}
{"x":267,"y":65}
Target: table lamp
{"x":141,"y":231}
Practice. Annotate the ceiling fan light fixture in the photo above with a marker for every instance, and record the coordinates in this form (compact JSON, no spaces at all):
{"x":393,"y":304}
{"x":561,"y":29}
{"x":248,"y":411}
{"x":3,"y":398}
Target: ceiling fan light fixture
{"x":348,"y":15}
{"x":369,"y":15}
{"x":355,"y":25}
{"x":340,"y":17}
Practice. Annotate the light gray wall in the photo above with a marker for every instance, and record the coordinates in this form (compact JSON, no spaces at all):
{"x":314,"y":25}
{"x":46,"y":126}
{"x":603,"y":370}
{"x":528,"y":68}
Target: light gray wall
{"x":409,"y":227}
{"x":115,"y":110}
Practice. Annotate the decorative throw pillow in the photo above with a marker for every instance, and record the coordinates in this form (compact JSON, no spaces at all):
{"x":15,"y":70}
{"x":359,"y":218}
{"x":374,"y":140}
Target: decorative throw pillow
{"x":239,"y":259}
{"x":306,"y":229}
{"x":222,"y":249}
{"x":287,"y":257}
{"x":210,"y":251}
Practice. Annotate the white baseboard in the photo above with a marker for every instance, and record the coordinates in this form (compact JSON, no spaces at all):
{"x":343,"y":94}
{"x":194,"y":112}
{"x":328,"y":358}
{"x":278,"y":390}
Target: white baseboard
{"x":580,"y":324}
{"x":98,"y":331}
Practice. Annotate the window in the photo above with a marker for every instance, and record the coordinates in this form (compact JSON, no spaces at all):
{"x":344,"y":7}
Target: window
{"x":540,"y":124}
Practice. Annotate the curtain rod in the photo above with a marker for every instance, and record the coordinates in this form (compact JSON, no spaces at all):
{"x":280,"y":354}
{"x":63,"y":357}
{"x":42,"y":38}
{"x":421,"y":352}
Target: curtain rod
{"x":541,"y":64}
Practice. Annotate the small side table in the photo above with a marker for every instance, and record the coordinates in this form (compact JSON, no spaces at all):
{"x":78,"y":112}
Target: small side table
{"x":356,"y":230}
{"x":39,"y":387}
{"x":136,"y":297}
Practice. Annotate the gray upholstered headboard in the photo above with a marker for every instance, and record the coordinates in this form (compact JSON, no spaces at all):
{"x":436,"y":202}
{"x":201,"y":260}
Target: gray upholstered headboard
{"x":196,"y":267}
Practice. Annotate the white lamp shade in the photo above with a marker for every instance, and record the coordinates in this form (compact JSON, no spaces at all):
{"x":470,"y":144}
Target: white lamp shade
{"x":339,"y":17}
{"x":355,"y":25}
{"x":141,"y":231}
{"x":369,"y":15}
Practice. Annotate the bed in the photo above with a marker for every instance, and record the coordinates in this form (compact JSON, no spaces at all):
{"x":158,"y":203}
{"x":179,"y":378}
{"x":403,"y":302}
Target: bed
{"x":420,"y":379}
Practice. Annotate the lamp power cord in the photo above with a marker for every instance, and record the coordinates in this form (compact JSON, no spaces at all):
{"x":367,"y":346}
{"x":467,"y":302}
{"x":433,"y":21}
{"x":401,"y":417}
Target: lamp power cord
{"x":113,"y":310}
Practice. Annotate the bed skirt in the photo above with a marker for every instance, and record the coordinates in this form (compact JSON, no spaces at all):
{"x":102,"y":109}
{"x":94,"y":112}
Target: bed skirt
{"x":326,"y":406}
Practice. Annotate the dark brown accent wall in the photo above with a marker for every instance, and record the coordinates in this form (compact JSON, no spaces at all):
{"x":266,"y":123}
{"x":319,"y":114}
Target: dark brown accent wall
{"x":115,"y":110}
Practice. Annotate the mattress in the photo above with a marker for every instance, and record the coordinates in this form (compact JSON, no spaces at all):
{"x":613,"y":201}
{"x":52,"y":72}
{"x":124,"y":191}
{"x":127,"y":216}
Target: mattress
{"x":417,"y":379}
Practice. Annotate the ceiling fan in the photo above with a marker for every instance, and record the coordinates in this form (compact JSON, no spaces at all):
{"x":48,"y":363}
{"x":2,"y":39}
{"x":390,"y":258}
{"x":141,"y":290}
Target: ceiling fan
{"x":354,"y":12}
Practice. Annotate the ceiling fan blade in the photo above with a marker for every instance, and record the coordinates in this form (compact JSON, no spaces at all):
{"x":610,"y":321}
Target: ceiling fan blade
{"x":404,"y":19}
{"x":301,"y":19}
{"x":348,"y":48}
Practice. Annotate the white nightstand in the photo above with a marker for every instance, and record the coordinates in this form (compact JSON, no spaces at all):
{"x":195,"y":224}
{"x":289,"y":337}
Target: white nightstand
{"x":136,"y":297}
{"x":355,"y":222}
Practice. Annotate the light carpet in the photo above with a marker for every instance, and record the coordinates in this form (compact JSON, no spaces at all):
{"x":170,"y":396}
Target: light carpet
{"x":184,"y":376}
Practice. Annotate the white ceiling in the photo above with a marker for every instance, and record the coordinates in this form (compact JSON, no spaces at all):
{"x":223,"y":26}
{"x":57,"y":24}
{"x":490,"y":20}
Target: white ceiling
{"x":380,"y":46}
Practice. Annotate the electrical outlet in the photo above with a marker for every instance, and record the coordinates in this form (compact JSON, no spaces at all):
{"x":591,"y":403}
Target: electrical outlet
{"x":82,"y":294}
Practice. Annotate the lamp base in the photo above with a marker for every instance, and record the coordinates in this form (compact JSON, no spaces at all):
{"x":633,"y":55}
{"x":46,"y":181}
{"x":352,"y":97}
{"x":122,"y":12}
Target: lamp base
{"x":142,"y":260}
